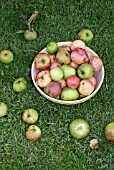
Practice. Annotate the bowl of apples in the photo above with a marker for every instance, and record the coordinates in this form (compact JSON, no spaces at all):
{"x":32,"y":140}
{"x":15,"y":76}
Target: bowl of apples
{"x":67,"y":72}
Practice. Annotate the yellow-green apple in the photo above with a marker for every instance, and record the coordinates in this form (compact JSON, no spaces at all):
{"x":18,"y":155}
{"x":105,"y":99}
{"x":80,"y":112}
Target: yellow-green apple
{"x":79,"y":128}
{"x":63,"y":57}
{"x":109,"y":131}
{"x":77,"y":44}
{"x":30,"y":116}
{"x":79,"y":56}
{"x":43,"y":78}
{"x":42,"y":61}
{"x":68,"y":71}
{"x":52,"y":47}
{"x":69,"y":94}
{"x":96,"y":63}
{"x":33,"y":133}
{"x":85,"y":71}
{"x":63,"y":83}
{"x":20,"y":84}
{"x":86,"y":87}
{"x":56,"y":73}
{"x":64,"y":47}
{"x":3,"y":109}
{"x":85,"y":35}
{"x":30,"y":35}
{"x":73,"y":82}
{"x":6,"y":56}
{"x":53,"y":89}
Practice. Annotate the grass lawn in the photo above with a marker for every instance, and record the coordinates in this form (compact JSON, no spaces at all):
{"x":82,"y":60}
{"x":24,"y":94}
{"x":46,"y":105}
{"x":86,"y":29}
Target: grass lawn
{"x":59,"y":20}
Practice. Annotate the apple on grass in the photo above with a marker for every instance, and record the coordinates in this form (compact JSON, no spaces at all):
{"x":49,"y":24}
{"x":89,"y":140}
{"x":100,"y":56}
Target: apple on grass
{"x":42,"y":61}
{"x":6,"y":56}
{"x":30,"y":35}
{"x":68,"y":71}
{"x":85,"y":35}
{"x":109,"y":132}
{"x":20,"y":84}
{"x":33,"y":133}
{"x":56,"y":73}
{"x":30,"y":116}
{"x":52,"y":47}
{"x":43,"y":78}
{"x":69,"y":94}
{"x":85,"y":71}
{"x":79,"y":128}
{"x":3,"y":109}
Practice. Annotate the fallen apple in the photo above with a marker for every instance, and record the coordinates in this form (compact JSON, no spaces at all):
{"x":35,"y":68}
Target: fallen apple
{"x":85,"y":35}
{"x":109,"y":131}
{"x":30,"y":116}
{"x":20,"y":84}
{"x":33,"y":133}
{"x":30,"y":35}
{"x":3,"y":109}
{"x":6,"y":56}
{"x":79,"y":128}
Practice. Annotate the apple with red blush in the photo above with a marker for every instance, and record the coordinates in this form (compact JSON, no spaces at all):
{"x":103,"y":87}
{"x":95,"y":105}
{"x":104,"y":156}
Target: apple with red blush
{"x":73,"y":82}
{"x":77,"y":44}
{"x":52,"y":57}
{"x":96,"y":63}
{"x":93,"y":80}
{"x":74,"y":65}
{"x":54,"y":64}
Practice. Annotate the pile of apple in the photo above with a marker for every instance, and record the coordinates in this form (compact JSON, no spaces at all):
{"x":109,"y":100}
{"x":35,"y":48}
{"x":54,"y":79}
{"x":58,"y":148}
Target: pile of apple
{"x":67,"y":73}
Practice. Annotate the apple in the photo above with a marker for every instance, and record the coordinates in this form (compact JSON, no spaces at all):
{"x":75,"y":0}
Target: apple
{"x":64,"y":47}
{"x":30,"y":35}
{"x":94,"y":144}
{"x":56,"y":73}
{"x":63,"y":83}
{"x":52,"y":47}
{"x":54,"y":64}
{"x":109,"y":131}
{"x":79,"y":128}
{"x":3,"y":109}
{"x":20,"y":84}
{"x":30,"y":116}
{"x":93,"y":80}
{"x":79,"y":56}
{"x":86,"y":87}
{"x":89,"y":53}
{"x":52,"y":57}
{"x":77,"y":44}
{"x":69,"y":94}
{"x":96,"y":63}
{"x":74,"y":65}
{"x":6,"y":56}
{"x":85,"y":71}
{"x":85,"y":35}
{"x":42,"y":61}
{"x":63,"y":57}
{"x":43,"y":78}
{"x":73,"y":82}
{"x":68,"y":71}
{"x":33,"y":133}
{"x":53,"y":89}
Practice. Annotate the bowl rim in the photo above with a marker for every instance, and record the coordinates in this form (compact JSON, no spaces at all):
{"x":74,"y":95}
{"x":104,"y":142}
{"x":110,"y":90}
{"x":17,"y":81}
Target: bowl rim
{"x":64,"y":101}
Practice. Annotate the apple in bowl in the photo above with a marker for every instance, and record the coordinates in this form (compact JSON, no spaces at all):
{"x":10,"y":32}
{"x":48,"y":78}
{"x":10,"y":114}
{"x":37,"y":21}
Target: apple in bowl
{"x":68,"y":70}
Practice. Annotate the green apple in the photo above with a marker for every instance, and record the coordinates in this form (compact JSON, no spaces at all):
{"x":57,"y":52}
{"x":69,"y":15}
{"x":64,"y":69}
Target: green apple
{"x":52,"y":47}
{"x":79,"y":128}
{"x":56,"y":73}
{"x":68,"y":71}
{"x":3,"y":109}
{"x":30,"y":116}
{"x":30,"y":35}
{"x":85,"y":71}
{"x":33,"y":133}
{"x":109,"y":131}
{"x":69,"y":94}
{"x":20,"y":84}
{"x":85,"y":35}
{"x":6,"y":56}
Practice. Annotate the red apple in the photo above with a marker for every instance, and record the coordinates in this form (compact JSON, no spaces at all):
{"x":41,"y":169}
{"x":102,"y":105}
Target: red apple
{"x":79,"y":56}
{"x":96,"y":63}
{"x":73,"y":82}
{"x":74,"y":65}
{"x":53,"y":89}
{"x":43,"y":78}
{"x":42,"y":61}
{"x":54,"y":64}
{"x":52,"y":57}
{"x":77,"y":44}
{"x":93,"y":80}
